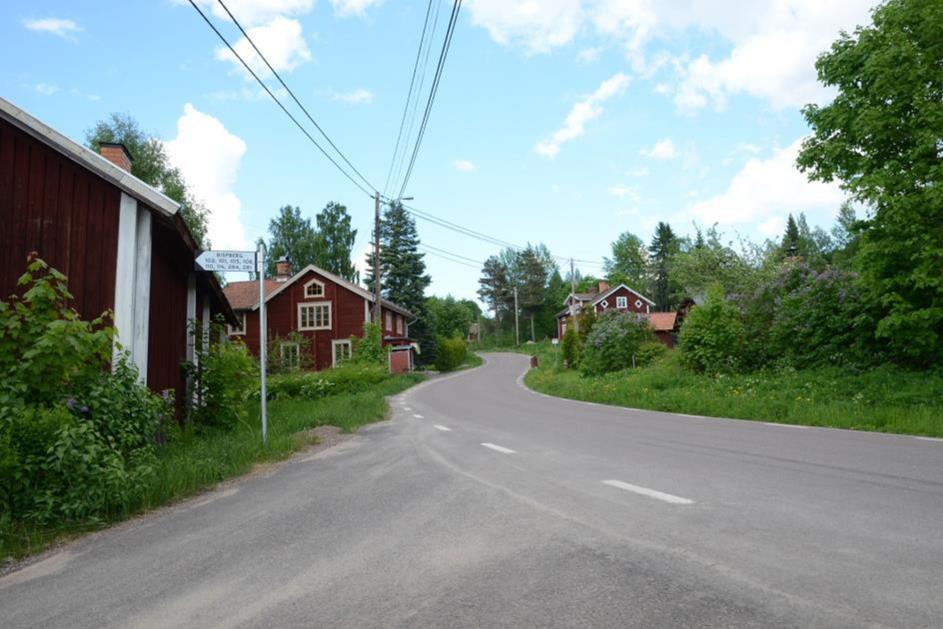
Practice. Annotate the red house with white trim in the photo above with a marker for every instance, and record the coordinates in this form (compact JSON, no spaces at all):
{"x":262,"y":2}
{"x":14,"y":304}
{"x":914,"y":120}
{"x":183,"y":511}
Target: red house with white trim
{"x":319,"y":308}
{"x":620,"y":298}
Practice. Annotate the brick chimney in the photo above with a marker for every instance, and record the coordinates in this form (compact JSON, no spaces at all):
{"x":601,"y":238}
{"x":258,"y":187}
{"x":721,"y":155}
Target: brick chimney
{"x":603,"y":286}
{"x":282,"y":269}
{"x":118,"y":154}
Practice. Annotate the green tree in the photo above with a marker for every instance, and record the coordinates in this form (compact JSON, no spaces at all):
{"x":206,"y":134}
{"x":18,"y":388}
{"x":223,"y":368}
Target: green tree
{"x":293,"y":237}
{"x":335,"y":242}
{"x":629,"y":261}
{"x":533,"y":284}
{"x":664,"y":246}
{"x":790,"y":245}
{"x":150,"y":165}
{"x":451,"y":317}
{"x":495,"y":288}
{"x":881,"y":137}
{"x":712,"y":335}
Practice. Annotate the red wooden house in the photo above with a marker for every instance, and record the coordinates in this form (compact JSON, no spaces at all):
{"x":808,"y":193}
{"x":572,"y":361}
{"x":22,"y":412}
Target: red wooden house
{"x":122,"y":244}
{"x":319,"y":309}
{"x":620,"y":298}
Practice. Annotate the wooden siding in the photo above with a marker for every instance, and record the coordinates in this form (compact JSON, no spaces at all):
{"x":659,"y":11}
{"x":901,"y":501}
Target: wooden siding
{"x":69,"y":216}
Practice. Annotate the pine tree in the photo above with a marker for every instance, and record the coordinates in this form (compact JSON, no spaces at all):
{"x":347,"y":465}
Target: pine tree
{"x":335,"y":241}
{"x":495,"y":287}
{"x":790,"y":244}
{"x":532,"y":285}
{"x":664,"y":245}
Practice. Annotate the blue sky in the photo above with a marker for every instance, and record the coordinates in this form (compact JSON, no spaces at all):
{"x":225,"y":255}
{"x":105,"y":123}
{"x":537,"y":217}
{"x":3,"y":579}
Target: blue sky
{"x":557,"y":121}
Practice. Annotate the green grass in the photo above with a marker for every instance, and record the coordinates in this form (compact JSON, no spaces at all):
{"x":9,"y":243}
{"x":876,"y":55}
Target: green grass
{"x":195,"y":462}
{"x":472,"y":360}
{"x":886,"y":399}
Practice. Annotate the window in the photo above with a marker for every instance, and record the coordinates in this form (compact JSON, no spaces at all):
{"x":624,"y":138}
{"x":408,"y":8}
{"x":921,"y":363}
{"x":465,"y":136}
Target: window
{"x":389,"y":321}
{"x":399,"y":324}
{"x":314,"y":288}
{"x":340,"y":350}
{"x":237,"y":330}
{"x":622,"y":302}
{"x":638,"y":303}
{"x":314,"y":316}
{"x":291,"y":355}
{"x":604,"y":303}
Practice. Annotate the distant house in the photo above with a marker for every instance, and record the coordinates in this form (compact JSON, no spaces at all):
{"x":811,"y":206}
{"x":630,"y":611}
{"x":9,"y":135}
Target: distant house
{"x":321,"y":309}
{"x":620,"y":298}
{"x":122,"y":244}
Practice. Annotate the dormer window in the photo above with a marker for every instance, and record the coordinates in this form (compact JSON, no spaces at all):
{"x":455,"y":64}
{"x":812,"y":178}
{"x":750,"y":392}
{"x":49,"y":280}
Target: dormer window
{"x":314,"y":288}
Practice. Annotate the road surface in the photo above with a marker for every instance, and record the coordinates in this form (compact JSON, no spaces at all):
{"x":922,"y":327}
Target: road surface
{"x":483,"y":504}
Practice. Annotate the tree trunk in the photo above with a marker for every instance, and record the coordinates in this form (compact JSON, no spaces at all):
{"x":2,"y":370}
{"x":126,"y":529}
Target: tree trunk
{"x":533,"y":338}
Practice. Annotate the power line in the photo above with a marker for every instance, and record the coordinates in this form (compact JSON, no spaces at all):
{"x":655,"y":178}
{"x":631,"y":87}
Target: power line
{"x":446,"y":44}
{"x":447,"y":252}
{"x":445,"y":257}
{"x":277,"y":101}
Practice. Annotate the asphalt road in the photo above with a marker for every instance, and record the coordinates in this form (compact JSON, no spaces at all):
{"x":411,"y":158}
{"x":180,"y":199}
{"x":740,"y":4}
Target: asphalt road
{"x":482,"y":504}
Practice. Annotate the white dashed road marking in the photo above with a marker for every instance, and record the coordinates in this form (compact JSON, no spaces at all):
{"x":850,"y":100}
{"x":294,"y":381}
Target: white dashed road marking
{"x":442,"y":428}
{"x":417,"y":416}
{"x":500,"y":449}
{"x":784,"y":425}
{"x":929,"y":439}
{"x":651,"y":493}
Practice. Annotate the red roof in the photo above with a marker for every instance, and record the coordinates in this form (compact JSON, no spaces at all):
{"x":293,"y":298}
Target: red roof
{"x":245,"y":295}
{"x":661,"y":321}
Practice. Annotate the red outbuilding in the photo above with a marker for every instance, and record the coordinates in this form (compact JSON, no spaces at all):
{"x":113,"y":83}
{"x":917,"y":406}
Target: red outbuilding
{"x":311,"y":316}
{"x":122,"y":244}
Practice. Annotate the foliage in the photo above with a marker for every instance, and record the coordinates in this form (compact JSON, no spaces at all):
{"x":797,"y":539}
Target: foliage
{"x":881,"y":137}
{"x":221,"y":380}
{"x":495,"y":287}
{"x":292,"y":237}
{"x":348,"y":377}
{"x":711,"y":337}
{"x":649,"y":353}
{"x":452,"y":354}
{"x":369,"y":349}
{"x":532,"y":275}
{"x":571,"y":347}
{"x":277,"y":360}
{"x":629,"y":262}
{"x":665,"y":245}
{"x":614,"y":342}
{"x":335,"y":242}
{"x":710,"y":260}
{"x":151,"y":165}
{"x":452,"y":317}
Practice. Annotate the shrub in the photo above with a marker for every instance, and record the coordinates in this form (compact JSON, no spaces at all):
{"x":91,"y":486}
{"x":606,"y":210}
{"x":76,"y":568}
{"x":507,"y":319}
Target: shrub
{"x":369,"y":349}
{"x":222,"y":381}
{"x":614,"y":340}
{"x":711,"y":337}
{"x":649,"y":352}
{"x":571,"y":347}
{"x":451,"y":354}
{"x":279,"y":361}
{"x":349,"y":377}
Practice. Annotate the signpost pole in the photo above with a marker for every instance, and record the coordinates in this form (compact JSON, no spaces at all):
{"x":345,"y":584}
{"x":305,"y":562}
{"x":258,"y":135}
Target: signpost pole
{"x":260,"y":266}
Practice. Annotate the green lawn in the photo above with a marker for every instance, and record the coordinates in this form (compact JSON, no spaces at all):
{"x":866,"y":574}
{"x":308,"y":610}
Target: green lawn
{"x":886,"y":399}
{"x":197,"y":461}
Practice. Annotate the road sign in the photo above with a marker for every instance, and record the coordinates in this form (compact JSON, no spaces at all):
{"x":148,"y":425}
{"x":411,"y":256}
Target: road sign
{"x":227,"y":261}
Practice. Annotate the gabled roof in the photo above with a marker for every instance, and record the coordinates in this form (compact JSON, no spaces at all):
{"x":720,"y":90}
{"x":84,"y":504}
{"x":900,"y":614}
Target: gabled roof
{"x":663,"y":321}
{"x":87,"y":158}
{"x":245,"y":295}
{"x":609,"y":292}
{"x":579,"y":297}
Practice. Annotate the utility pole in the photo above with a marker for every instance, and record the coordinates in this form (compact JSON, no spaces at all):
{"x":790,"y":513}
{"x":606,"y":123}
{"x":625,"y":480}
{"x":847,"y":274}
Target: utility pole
{"x":576,"y":323}
{"x":517,"y":327}
{"x":376,"y":258}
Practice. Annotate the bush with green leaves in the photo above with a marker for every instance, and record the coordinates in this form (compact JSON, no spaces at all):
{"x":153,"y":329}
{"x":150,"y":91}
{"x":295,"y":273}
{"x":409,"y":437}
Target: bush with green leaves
{"x":222,"y":380}
{"x":712,"y":336}
{"x":369,"y":349}
{"x":77,"y":434}
{"x":614,"y":342}
{"x":650,"y":353}
{"x":348,"y":377}
{"x":571,"y":347}
{"x":452,"y":353}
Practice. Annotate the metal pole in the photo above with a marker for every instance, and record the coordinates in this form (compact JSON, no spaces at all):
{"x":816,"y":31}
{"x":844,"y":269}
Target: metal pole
{"x":517,"y":327}
{"x":260,"y":259}
{"x":576,"y":321}
{"x":376,"y":259}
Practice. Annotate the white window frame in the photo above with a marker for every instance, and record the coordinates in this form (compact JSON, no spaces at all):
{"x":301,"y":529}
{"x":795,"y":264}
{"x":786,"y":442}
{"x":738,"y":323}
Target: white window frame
{"x":314,"y":283}
{"x":638,"y":303}
{"x":389,"y":321}
{"x":315,"y":305}
{"x":399,"y":324}
{"x":241,"y":315}
{"x":622,"y":302}
{"x":604,"y":303}
{"x":281,"y":353}
{"x":340,"y":343}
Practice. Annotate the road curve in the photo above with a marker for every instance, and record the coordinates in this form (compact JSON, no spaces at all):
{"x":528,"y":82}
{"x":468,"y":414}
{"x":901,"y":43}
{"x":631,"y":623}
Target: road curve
{"x":484,"y":504}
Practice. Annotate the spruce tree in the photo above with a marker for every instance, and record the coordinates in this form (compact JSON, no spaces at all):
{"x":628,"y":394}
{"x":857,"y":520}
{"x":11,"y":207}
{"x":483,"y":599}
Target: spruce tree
{"x":664,"y":245}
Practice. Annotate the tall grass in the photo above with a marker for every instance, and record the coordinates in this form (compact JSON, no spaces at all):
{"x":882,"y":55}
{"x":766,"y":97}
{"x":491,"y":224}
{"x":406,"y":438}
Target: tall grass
{"x":886,"y":399}
{"x":195,"y":461}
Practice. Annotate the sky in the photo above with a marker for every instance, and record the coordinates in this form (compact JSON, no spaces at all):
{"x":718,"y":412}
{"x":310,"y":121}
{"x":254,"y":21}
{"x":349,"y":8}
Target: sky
{"x":563,"y":122}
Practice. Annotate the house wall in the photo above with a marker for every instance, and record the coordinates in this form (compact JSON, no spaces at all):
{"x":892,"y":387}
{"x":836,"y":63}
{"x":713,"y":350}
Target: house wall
{"x":68,"y":215}
{"x":632,"y":298}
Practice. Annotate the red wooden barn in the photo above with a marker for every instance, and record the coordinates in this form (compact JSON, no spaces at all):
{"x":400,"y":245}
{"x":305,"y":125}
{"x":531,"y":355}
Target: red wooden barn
{"x":122,"y":244}
{"x":319,"y":309}
{"x":623,"y":299}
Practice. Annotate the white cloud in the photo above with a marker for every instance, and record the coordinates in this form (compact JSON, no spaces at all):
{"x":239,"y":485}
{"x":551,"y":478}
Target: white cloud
{"x":280,"y":40}
{"x":663,"y":150}
{"x":66,"y":29}
{"x":621,"y":191}
{"x":208,"y":156}
{"x":46,"y":89}
{"x":346,"y":8}
{"x":464,"y":166}
{"x":589,"y":55}
{"x":768,"y":188}
{"x":539,"y":26}
{"x":582,"y":112}
{"x":772,"y":226}
{"x":255,"y":12}
{"x":358,"y":96}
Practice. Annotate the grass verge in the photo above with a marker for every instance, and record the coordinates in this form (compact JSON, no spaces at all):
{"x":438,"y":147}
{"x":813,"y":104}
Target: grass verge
{"x":886,"y":399}
{"x":195,"y":462}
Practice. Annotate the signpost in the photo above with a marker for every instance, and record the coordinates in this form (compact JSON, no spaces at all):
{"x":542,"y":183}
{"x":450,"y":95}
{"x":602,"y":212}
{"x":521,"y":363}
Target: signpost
{"x":244,"y":262}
